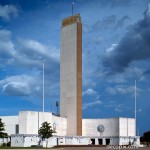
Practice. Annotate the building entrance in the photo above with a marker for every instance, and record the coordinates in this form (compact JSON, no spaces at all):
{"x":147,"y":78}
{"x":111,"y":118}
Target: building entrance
{"x":107,"y":141}
{"x":100,"y":141}
{"x":93,"y":141}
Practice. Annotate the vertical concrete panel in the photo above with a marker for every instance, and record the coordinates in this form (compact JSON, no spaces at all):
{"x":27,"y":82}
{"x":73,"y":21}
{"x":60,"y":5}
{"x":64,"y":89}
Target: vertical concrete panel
{"x":123,"y":126}
{"x":131,"y":127}
{"x":126,"y":127}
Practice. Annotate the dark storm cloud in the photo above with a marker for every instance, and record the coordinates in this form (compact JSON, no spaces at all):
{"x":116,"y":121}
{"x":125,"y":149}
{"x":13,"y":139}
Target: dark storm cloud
{"x":121,"y":21}
{"x":135,"y":46}
{"x":119,"y":3}
{"x":109,"y":22}
{"x":105,"y":23}
{"x":111,"y":3}
{"x":146,"y":72}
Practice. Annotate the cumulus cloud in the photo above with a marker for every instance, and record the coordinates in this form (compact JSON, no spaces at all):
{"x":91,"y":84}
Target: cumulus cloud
{"x":134,"y":46}
{"x":117,"y":107}
{"x":122,"y":90}
{"x":94,"y":97}
{"x":17,"y":85}
{"x":27,"y":86}
{"x":89,"y":92}
{"x":7,"y":46}
{"x":110,"y":49}
{"x":91,"y":104}
{"x":37,"y":49}
{"x":8,"y":11}
{"x":28,"y":54}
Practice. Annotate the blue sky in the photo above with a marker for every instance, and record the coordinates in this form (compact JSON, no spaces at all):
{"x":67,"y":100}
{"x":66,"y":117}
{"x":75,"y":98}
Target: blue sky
{"x":116,"y":51}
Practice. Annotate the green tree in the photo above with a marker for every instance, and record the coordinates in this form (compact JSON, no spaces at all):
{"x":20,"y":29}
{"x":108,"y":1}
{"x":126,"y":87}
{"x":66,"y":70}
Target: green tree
{"x":2,"y":134}
{"x":46,"y":131}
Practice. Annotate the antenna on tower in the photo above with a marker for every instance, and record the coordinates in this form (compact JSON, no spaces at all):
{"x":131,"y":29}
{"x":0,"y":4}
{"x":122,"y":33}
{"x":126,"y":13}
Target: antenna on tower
{"x":72,"y":7}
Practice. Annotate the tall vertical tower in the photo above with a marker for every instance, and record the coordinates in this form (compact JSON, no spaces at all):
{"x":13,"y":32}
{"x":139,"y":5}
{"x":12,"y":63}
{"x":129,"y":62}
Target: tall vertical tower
{"x":71,"y":74}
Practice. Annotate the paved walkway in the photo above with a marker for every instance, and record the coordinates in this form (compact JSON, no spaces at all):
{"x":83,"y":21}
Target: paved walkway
{"x":85,"y":148}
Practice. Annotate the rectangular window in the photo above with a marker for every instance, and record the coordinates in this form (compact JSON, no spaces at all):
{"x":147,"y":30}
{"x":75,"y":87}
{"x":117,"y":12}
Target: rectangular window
{"x":17,"y":128}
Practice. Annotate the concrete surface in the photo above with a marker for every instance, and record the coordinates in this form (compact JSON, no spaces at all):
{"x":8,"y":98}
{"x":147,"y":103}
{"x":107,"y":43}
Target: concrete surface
{"x":88,"y":148}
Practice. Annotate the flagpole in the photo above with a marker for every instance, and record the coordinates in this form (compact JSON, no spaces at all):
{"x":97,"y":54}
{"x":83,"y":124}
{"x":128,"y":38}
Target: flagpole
{"x":135,"y":107}
{"x":43,"y":86}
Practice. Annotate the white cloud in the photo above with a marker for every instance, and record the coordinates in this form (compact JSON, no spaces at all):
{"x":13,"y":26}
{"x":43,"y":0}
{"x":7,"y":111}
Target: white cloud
{"x":19,"y":85}
{"x":95,"y":96}
{"x":91,"y":104}
{"x":139,"y":110}
{"x":118,"y":109}
{"x":7,"y":50}
{"x":122,"y":90}
{"x":110,"y":91}
{"x":117,"y":78}
{"x":8,"y":11}
{"x":7,"y":46}
{"x":17,"y":88}
{"x":29,"y":85}
{"x":38,"y":50}
{"x":89,"y":92}
{"x":32,"y":52}
{"x":111,"y":48}
{"x":34,"y":47}
{"x":28,"y":54}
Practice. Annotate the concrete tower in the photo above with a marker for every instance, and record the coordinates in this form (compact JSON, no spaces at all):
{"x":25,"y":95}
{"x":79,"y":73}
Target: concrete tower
{"x":71,"y":74}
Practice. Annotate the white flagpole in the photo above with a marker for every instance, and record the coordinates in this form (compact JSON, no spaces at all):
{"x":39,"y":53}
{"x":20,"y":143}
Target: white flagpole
{"x":135,"y":107}
{"x":43,"y":86}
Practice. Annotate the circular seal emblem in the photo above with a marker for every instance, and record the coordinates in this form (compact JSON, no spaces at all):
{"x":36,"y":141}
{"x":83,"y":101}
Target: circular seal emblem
{"x":100,"y":128}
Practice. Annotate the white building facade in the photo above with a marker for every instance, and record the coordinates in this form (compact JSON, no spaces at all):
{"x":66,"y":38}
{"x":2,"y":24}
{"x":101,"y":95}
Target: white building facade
{"x":70,"y":127}
{"x":117,"y":131}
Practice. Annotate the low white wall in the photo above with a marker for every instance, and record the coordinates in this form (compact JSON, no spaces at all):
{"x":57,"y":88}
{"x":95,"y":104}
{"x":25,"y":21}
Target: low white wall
{"x":111,"y":125}
{"x":51,"y":142}
{"x":24,"y":140}
{"x":17,"y":141}
{"x":10,"y":124}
